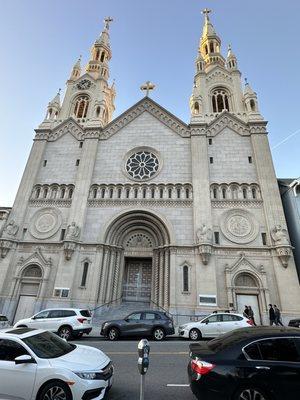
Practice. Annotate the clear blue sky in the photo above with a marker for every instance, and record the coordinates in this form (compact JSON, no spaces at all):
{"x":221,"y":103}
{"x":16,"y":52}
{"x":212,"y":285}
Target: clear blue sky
{"x":151,"y":40}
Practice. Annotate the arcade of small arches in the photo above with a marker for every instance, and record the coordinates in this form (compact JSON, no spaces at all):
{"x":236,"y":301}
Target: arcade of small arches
{"x":53,"y":191}
{"x":81,"y":106}
{"x":144,"y":191}
{"x":235,"y":191}
{"x":220,"y":101}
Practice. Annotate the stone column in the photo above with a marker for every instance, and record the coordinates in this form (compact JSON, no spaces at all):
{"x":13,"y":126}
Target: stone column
{"x":96,"y":274}
{"x":156,"y":256}
{"x":167,"y":280}
{"x":121,"y":275}
{"x":105,"y":262}
{"x":110,"y":275}
{"x":173,"y":283}
{"x":161,"y":278}
{"x":116,"y":276}
{"x":286,"y":277}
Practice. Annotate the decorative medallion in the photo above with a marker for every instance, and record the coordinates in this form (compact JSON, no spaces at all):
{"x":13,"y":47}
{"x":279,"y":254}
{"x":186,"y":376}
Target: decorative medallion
{"x":142,"y":165}
{"x":45,"y":223}
{"x":239,"y":226}
{"x":84,"y":84}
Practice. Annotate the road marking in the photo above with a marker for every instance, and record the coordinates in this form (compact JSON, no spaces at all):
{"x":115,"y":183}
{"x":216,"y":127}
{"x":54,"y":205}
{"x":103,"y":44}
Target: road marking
{"x":152,"y":353}
{"x":178,"y":385}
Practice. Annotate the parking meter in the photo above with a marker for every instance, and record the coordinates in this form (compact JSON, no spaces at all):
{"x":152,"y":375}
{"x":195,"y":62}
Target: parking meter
{"x":143,"y":363}
{"x":143,"y":352}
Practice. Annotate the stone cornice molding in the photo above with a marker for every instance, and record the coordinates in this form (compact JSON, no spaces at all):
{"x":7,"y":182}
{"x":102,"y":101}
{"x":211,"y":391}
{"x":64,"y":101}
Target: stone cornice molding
{"x":146,"y":104}
{"x":67,"y":126}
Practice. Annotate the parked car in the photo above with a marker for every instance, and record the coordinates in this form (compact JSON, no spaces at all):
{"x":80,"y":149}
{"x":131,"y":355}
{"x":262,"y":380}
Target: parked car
{"x":143,"y":323}
{"x":66,"y":322}
{"x":295,"y":323}
{"x":260,"y":363}
{"x":38,"y":365}
{"x":213,"y":325}
{"x":4,"y":322}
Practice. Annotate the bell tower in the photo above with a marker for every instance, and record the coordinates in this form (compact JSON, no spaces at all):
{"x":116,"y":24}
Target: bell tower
{"x":217,"y":82}
{"x":89,"y":97}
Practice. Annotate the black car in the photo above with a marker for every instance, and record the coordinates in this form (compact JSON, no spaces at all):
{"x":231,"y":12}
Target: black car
{"x":295,"y":323}
{"x":143,"y":323}
{"x":260,"y":363}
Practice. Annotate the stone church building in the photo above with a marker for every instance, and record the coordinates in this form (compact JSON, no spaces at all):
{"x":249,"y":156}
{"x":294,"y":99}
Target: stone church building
{"x":146,"y":208}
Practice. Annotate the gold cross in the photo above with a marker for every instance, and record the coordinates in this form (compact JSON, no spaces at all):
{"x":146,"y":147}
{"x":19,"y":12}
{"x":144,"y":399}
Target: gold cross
{"x":147,"y":87}
{"x":206,"y":11}
{"x":107,"y":21}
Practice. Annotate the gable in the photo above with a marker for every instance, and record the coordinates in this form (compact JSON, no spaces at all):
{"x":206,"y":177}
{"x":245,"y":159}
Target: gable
{"x":148,"y":105}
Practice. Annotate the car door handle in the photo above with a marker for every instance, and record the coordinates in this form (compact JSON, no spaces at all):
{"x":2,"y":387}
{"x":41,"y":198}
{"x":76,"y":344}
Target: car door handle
{"x":261,"y":367}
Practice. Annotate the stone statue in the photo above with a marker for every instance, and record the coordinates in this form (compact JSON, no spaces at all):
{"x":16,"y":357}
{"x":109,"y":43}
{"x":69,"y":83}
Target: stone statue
{"x":11,"y":228}
{"x":280,"y":235}
{"x":204,"y":234}
{"x":73,"y":231}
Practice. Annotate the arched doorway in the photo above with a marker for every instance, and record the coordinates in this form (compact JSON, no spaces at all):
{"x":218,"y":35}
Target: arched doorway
{"x":246,"y":287}
{"x":136,"y":259}
{"x":30,"y":282}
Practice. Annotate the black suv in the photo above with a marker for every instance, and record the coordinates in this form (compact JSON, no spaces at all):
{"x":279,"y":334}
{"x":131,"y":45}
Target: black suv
{"x":143,"y":323}
{"x":260,"y":363}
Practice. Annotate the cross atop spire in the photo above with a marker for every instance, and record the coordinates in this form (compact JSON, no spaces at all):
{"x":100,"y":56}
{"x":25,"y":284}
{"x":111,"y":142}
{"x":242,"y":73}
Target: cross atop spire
{"x":146,"y":87}
{"x":107,"y":21}
{"x":206,"y":12}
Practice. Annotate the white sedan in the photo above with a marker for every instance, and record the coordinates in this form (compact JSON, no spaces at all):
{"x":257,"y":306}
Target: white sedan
{"x":38,"y":365}
{"x":214,"y":325}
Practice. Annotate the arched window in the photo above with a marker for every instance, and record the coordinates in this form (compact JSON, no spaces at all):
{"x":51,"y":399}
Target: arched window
{"x":45,"y":193}
{"x":252,"y":105}
{"x":119,"y":193}
{"x":224,"y":193}
{"x":98,"y":112}
{"x":95,"y":193}
{"x":245,"y":280}
{"x":102,"y":57}
{"x":211,"y":47}
{"x":253,"y":193}
{"x":214,"y":193}
{"x":84,"y":274}
{"x":170,"y":193}
{"x":33,"y":271}
{"x":178,"y":193}
{"x":185,"y":273}
{"x":70,"y":193}
{"x":37,"y":193}
{"x":81,"y":106}
{"x":244,"y":193}
{"x":102,"y":193}
{"x":187,"y":193}
{"x":97,"y":54}
{"x":136,"y":193}
{"x":144,"y":193}
{"x":62,"y":193}
{"x":220,"y":100}
{"x":161,"y":193}
{"x":206,"y":49}
{"x":111,"y":192}
{"x":196,"y":108}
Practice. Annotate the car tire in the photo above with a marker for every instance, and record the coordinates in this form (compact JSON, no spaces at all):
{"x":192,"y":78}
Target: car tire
{"x":195,"y":334}
{"x":55,"y":390}
{"x":65,"y":332}
{"x":251,"y":393}
{"x":113,"y":334}
{"x":158,"y":334}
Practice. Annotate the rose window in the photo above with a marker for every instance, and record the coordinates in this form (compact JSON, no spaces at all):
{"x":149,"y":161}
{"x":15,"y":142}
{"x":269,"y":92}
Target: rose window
{"x":142,"y":165}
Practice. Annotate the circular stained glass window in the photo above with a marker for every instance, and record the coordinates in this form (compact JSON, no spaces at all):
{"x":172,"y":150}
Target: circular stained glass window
{"x":142,"y":165}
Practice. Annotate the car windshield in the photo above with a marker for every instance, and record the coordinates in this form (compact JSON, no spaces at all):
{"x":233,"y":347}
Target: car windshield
{"x":48,"y":345}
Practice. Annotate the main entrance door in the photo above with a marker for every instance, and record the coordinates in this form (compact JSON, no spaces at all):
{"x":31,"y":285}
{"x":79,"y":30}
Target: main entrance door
{"x":137,"y":280}
{"x":249,"y":300}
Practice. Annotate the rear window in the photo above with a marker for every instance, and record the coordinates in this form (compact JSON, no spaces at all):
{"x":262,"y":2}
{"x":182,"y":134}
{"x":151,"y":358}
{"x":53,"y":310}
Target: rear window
{"x":281,"y":349}
{"x":85,"y":313}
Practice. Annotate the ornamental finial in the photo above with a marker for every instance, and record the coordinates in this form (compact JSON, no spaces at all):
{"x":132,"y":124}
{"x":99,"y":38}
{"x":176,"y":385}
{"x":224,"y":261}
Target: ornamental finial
{"x":147,"y":87}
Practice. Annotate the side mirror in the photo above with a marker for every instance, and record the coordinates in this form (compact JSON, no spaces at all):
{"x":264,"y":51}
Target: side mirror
{"x":206,"y":322}
{"x":127,"y":319}
{"x":34,"y":317}
{"x":25,"y":359}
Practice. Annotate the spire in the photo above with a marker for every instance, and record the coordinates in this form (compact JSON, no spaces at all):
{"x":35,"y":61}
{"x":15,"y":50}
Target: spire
{"x":76,"y":70}
{"x":101,"y":54}
{"x":231,"y":59}
{"x":53,"y":108}
{"x":210,"y":43}
{"x":251,"y":103}
{"x":56,"y":100}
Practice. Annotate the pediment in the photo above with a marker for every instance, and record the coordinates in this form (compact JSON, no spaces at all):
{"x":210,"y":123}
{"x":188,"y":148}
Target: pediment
{"x":69,"y":126}
{"x":218,"y":75}
{"x":150,"y":106}
{"x":243,"y":265}
{"x":36,"y":257}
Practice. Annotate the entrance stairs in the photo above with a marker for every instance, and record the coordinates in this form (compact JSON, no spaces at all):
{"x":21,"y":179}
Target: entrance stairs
{"x":118,"y":311}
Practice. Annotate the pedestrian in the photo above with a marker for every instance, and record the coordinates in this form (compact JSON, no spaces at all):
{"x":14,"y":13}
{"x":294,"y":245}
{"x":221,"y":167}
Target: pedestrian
{"x":277,"y":316}
{"x":246,"y":312}
{"x":272,"y":315}
{"x":251,"y":315}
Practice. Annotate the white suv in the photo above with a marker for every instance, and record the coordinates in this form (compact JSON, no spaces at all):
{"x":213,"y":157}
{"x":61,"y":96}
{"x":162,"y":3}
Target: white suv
{"x":214,"y":325}
{"x":66,"y":322}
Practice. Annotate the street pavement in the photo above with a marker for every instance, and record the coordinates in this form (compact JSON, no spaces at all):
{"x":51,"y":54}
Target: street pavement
{"x":166,"y":378}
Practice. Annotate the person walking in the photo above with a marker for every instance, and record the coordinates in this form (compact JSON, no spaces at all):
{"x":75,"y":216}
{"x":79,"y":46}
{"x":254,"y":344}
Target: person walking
{"x":251,"y":315}
{"x":277,"y":316}
{"x":246,"y":312}
{"x":272,"y":315}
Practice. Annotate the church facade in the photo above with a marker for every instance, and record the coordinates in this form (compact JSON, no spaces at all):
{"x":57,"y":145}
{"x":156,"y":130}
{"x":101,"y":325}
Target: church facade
{"x":146,"y":208}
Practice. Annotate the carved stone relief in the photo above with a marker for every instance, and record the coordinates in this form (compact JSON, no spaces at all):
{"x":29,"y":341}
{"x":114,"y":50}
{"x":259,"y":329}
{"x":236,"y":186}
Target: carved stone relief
{"x":45,"y":223}
{"x":239,"y":226}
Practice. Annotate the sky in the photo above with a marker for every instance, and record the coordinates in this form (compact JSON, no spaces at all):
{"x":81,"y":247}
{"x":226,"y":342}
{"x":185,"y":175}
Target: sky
{"x":152,"y":40}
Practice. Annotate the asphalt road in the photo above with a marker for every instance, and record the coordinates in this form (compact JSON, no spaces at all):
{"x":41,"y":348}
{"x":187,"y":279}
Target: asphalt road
{"x":166,"y":378}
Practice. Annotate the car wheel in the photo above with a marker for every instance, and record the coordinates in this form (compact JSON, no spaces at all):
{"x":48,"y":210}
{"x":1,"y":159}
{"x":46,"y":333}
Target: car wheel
{"x":113,"y":334}
{"x":55,"y":391}
{"x":65,"y":332}
{"x":195,"y":334}
{"x":159,"y":334}
{"x":251,"y":393}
